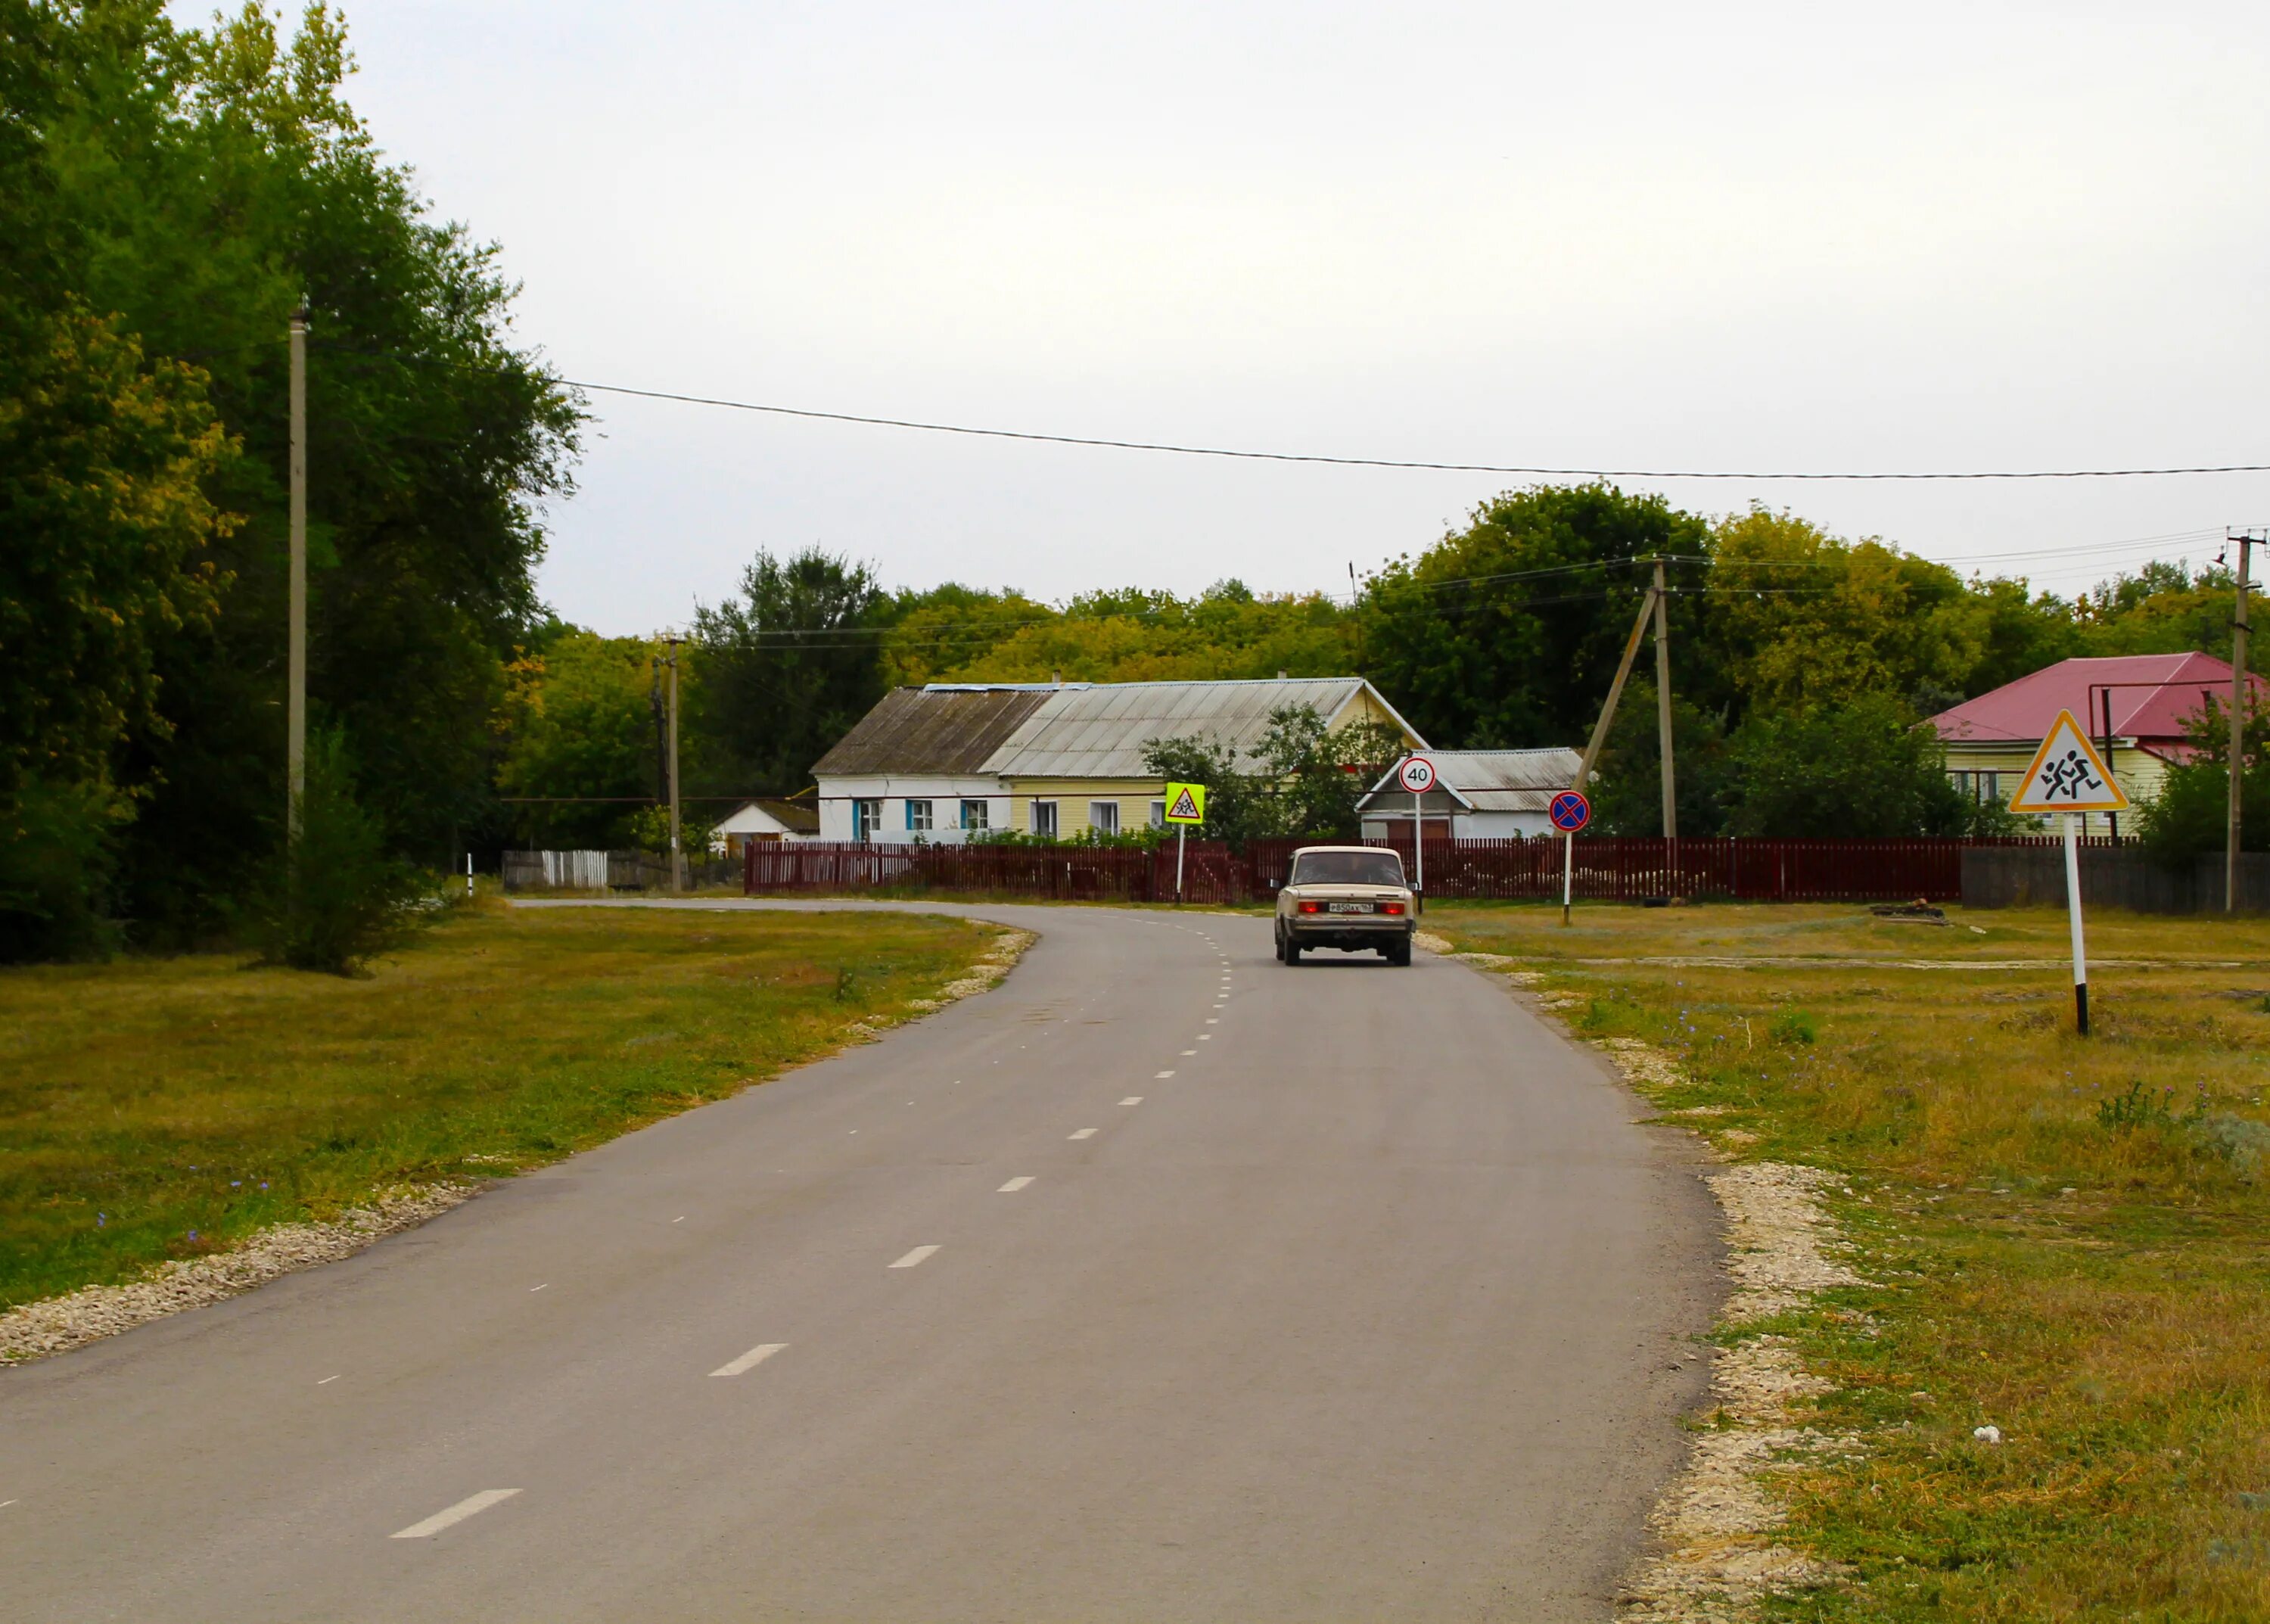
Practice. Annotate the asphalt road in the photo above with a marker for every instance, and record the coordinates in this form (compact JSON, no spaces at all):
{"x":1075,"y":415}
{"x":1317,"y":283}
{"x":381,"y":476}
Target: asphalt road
{"x":1162,"y":1282}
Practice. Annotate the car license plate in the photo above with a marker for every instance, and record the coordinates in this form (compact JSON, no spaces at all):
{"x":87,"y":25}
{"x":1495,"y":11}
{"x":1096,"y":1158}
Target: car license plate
{"x":1348,"y":907}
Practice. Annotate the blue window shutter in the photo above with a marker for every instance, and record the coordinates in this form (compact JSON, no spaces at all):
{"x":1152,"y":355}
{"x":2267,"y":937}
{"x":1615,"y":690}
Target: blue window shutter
{"x":910,"y":806}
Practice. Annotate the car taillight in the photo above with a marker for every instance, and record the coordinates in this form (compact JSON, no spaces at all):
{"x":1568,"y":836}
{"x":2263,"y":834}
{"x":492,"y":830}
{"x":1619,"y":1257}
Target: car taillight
{"x":1311,"y":908}
{"x":1390,"y":908}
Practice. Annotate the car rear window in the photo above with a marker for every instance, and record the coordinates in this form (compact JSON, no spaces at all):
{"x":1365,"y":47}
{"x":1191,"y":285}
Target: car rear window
{"x":1347,"y":868}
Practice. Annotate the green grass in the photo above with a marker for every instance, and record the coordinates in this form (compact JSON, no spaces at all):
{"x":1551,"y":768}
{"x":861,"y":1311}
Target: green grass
{"x":162,"y":1109}
{"x":2067,"y":1236}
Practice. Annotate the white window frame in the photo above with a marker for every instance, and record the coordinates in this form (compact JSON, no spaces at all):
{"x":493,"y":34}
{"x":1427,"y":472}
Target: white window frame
{"x":1158,"y":814}
{"x":1104,"y":817}
{"x":867,"y":816}
{"x":1045,"y":819}
{"x":918,"y":816}
{"x":976,"y":816}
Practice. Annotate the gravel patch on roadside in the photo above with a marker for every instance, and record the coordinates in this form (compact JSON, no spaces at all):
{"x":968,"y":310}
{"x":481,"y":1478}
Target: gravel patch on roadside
{"x":58,"y":1324}
{"x":992,"y":967}
{"x":1717,"y":1556}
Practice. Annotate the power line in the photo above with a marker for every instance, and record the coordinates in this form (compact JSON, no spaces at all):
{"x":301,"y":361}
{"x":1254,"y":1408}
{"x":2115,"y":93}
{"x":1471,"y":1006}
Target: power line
{"x":1536,"y":470}
{"x":1175,"y":448}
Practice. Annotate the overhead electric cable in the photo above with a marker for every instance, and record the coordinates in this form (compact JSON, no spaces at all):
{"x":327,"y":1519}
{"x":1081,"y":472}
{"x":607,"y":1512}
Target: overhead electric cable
{"x":1540,"y":469}
{"x":1177,"y":449}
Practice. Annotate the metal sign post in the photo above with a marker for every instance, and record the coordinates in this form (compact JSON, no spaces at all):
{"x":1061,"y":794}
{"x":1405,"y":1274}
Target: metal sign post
{"x":1418,"y":777}
{"x":1185,"y":805}
{"x":1570,"y":812}
{"x":2073,"y":917}
{"x":2068,"y":776}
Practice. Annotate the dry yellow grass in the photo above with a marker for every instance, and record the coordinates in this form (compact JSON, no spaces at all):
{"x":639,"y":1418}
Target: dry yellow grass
{"x":2066,"y":1235}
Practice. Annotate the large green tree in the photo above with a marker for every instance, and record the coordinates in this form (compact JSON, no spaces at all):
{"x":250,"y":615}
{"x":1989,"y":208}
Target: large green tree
{"x":1506,"y":633}
{"x":1858,"y":769}
{"x":578,"y":726}
{"x":187,"y":188}
{"x":781,"y":669}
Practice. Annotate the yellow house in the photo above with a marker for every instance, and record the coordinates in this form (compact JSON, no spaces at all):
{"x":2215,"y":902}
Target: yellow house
{"x":1076,"y":763}
{"x":953,"y":761}
{"x":2136,"y":708}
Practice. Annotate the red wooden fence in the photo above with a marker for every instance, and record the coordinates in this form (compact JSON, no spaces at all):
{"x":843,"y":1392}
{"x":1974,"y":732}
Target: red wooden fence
{"x":1068,"y":873}
{"x":1607,"y":870}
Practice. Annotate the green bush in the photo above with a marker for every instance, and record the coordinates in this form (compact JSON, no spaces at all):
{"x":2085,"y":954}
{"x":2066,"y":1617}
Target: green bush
{"x":342,"y":899}
{"x":2189,"y":817}
{"x":1794,"y":1027}
{"x":1855,"y":770}
{"x":57,"y":858}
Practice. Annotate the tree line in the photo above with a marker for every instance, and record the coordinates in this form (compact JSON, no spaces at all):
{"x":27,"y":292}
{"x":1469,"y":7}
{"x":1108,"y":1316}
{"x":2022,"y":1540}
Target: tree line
{"x":170,"y":194}
{"x":1801,"y":664}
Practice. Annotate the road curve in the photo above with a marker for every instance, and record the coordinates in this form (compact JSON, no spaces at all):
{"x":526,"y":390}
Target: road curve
{"x":1332,"y":1292}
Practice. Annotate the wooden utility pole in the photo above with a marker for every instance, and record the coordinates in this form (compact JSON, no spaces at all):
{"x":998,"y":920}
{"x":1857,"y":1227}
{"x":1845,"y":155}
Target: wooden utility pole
{"x":677,"y":858}
{"x":1600,"y":729}
{"x":1663,"y":714}
{"x":1615,"y":692}
{"x":2238,"y":698}
{"x":296,"y":700}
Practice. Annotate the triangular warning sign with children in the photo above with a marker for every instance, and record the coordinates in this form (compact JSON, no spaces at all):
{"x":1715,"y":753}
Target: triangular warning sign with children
{"x":1186,"y":803}
{"x":2067,"y":775}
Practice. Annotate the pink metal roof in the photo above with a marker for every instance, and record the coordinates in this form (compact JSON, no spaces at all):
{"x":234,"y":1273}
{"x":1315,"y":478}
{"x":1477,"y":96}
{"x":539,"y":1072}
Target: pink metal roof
{"x":2174,"y":688}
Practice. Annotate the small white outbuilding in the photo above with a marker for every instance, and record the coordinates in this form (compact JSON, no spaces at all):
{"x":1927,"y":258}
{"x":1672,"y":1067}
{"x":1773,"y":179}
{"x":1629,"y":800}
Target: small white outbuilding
{"x":762,"y":821}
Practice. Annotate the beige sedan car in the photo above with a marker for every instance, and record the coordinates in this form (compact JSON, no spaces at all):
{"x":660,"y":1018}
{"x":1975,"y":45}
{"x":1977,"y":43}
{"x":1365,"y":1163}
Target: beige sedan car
{"x":1349,"y":897}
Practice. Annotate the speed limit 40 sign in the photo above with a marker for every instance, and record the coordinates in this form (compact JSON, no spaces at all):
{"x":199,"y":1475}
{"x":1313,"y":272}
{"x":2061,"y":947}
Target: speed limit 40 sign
{"x":1417,"y":774}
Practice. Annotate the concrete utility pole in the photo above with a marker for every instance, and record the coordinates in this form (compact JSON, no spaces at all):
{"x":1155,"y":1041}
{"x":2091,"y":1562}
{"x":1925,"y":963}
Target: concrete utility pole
{"x":677,"y":858}
{"x":295,"y":703}
{"x":2239,"y":697}
{"x":1663,"y":710}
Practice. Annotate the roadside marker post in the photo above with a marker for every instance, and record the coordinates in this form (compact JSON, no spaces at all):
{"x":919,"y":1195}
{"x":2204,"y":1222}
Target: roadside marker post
{"x":1185,"y":805}
{"x":2069,"y":777}
{"x":1418,"y":777}
{"x":1570,"y":812}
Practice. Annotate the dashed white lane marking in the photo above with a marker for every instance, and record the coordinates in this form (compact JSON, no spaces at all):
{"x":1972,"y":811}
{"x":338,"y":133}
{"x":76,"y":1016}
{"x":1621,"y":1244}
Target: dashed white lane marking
{"x":682,"y":1216}
{"x":4,"y":1504}
{"x":913,"y":1257}
{"x":1014,"y":1185}
{"x":539,"y":1287}
{"x":471,"y":1505}
{"x":328,"y":1379}
{"x":1162,"y":1075}
{"x":1084,"y":1133}
{"x":751,"y":1360}
{"x":1189,"y":1052}
{"x":1132,"y":1099}
{"x":1205,"y":1037}
{"x":1213,"y":1020}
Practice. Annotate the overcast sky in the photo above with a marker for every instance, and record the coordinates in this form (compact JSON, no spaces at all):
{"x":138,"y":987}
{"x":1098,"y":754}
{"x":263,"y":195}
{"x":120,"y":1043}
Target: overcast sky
{"x":1800,"y":237}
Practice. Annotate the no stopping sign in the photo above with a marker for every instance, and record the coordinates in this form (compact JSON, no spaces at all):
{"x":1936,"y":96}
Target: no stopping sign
{"x":1569,"y":811}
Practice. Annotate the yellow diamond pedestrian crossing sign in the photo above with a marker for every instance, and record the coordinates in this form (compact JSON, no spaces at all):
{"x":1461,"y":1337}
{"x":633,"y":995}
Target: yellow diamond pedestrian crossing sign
{"x":1185,"y":802}
{"x":2068,"y":775}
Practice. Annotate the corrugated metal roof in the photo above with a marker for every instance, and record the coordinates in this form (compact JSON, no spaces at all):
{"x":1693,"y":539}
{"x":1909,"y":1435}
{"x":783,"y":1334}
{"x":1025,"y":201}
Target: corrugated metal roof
{"x":1495,"y":780}
{"x":2157,"y":692}
{"x":941,"y":729}
{"x":1101,"y":731}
